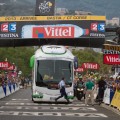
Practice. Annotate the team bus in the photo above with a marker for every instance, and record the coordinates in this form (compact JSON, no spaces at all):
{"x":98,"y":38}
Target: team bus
{"x":49,"y":64}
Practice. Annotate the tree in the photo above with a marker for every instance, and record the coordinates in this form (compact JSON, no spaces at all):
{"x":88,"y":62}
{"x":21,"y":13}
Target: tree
{"x":89,"y":55}
{"x":20,"y":56}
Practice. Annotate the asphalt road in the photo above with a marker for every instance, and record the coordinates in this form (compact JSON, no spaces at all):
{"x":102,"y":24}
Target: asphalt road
{"x":19,"y":106}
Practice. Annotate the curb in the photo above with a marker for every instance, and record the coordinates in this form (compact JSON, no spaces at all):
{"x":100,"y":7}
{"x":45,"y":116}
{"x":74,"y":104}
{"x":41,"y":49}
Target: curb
{"x":113,"y":109}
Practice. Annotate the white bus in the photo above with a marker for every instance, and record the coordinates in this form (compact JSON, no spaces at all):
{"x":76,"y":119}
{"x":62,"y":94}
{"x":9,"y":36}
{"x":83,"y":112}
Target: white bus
{"x":49,"y":64}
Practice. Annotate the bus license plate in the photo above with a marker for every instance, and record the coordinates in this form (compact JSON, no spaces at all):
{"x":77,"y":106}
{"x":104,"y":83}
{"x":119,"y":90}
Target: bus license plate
{"x":52,"y":98}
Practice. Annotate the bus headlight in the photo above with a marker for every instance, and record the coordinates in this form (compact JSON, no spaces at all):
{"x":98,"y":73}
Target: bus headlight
{"x":70,"y":94}
{"x":37,"y":94}
{"x":78,"y":89}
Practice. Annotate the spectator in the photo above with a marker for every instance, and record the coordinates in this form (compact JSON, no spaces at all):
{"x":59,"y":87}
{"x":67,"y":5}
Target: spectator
{"x":23,"y":82}
{"x":89,"y":91}
{"x":0,"y":80}
{"x":101,"y":85}
{"x":75,"y":86}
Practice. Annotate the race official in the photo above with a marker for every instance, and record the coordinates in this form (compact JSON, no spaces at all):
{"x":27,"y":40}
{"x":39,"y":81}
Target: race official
{"x":61,"y":86}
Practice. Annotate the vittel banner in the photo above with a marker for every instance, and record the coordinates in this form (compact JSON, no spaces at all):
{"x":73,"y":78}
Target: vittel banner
{"x":111,"y":59}
{"x":111,"y":54}
{"x":80,"y":69}
{"x":90,"y":65}
{"x":52,"y":27}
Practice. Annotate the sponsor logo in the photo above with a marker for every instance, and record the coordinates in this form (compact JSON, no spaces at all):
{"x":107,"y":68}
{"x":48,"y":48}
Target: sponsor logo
{"x":98,"y":27}
{"x":97,"y":35}
{"x":53,"y":32}
{"x":8,"y":27}
{"x":9,"y":35}
{"x":94,"y":66}
{"x":8,"y":30}
{"x":110,"y":51}
{"x":111,"y":59}
{"x":4,"y":64}
{"x":45,"y":6}
{"x":80,"y":69}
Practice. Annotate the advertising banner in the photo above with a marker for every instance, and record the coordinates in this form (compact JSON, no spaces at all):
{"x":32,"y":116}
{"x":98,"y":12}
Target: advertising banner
{"x":111,"y":47}
{"x":80,"y":69}
{"x":111,"y":59}
{"x":45,"y":7}
{"x":4,"y":64}
{"x":24,"y":27}
{"x":90,"y":65}
{"x":111,"y":54}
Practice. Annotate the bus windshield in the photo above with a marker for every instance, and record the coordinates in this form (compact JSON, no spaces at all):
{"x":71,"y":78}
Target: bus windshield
{"x":51,"y":72}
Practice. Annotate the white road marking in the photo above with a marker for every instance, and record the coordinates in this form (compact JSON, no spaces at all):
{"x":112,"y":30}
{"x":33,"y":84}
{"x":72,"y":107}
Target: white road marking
{"x":52,"y":114}
{"x":48,"y":108}
{"x":19,"y":99}
{"x":36,"y":104}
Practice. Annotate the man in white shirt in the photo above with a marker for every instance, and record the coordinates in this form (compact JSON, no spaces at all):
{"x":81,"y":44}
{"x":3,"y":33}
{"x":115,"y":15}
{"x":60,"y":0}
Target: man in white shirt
{"x":61,"y":85}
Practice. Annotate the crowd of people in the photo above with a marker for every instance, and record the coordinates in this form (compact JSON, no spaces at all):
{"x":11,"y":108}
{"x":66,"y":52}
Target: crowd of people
{"x":94,"y":87}
{"x":7,"y":79}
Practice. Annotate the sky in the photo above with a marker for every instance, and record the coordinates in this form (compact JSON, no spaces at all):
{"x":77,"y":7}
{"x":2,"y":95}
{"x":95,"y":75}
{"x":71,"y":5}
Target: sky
{"x":110,"y":8}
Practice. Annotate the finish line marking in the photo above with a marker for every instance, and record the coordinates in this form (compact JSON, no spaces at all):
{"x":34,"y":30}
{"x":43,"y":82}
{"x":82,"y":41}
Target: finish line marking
{"x":48,"y":108}
{"x":44,"y":104}
{"x":52,"y":114}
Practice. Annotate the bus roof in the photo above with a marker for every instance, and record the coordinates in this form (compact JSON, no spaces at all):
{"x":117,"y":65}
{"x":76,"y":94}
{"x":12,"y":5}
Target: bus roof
{"x":53,"y":51}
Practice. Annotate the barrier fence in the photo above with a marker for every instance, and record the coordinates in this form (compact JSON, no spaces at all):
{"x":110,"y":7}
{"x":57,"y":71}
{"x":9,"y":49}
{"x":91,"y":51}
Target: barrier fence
{"x":6,"y":90}
{"x":112,"y":98}
{"x":116,"y":100}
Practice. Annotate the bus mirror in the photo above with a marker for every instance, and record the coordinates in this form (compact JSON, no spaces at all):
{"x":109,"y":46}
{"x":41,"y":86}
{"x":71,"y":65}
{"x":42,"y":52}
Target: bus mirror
{"x":75,"y":63}
{"x":32,"y":59}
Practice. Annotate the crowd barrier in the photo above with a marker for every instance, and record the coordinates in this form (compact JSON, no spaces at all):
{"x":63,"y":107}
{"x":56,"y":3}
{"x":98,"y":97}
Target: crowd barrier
{"x":8,"y":89}
{"x":112,"y":98}
{"x":116,"y":100}
{"x":108,"y":95}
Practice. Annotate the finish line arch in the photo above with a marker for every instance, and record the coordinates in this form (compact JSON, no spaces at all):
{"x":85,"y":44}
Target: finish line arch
{"x":81,"y":31}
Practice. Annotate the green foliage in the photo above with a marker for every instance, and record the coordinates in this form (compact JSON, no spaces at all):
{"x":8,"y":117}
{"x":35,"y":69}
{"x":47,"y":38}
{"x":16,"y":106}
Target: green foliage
{"x":20,"y":56}
{"x":89,"y":55}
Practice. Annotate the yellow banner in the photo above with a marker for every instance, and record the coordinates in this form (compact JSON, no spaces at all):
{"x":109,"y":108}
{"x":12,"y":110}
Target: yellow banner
{"x":51,"y":18}
{"x":116,"y":100}
{"x":112,"y":47}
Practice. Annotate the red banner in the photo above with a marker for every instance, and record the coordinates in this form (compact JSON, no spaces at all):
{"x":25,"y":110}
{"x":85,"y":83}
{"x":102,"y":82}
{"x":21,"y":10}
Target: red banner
{"x":12,"y":67}
{"x":90,"y":65}
{"x":4,"y":64}
{"x":111,"y":59}
{"x":80,"y":69}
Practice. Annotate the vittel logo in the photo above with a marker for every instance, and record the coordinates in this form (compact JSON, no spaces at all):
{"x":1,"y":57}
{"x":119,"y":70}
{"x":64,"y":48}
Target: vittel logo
{"x":94,"y":66}
{"x":111,"y":59}
{"x":3,"y":64}
{"x":53,"y":32}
